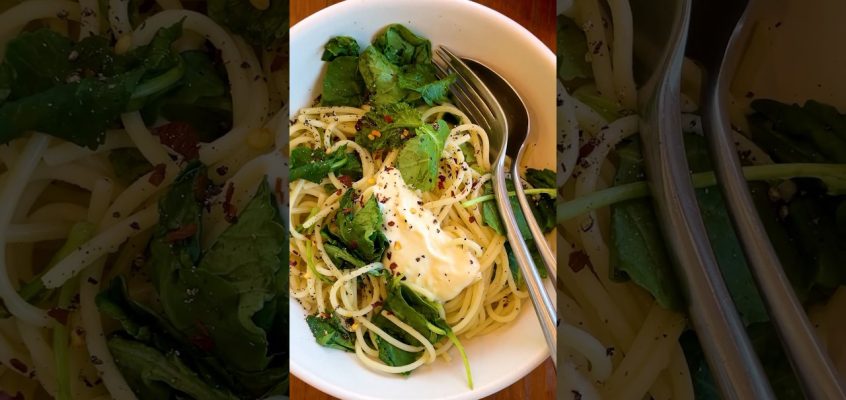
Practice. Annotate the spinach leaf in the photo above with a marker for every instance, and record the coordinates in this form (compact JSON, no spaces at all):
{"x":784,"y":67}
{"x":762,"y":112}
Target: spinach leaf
{"x":136,"y":320}
{"x":792,"y":259}
{"x":394,"y":356}
{"x":767,"y":346}
{"x":810,"y":217}
{"x":338,"y":253}
{"x":542,"y":205}
{"x":401,"y":46}
{"x":828,"y":115}
{"x":419,"y":158}
{"x":572,"y":53}
{"x":200,"y":99}
{"x":340,"y":46}
{"x":398,"y":302}
{"x":396,"y":68}
{"x":421,"y":79}
{"x":519,"y":281}
{"x":435,"y":92}
{"x":152,"y":374}
{"x":381,"y":77}
{"x":330,"y":333}
{"x":76,"y":92}
{"x":77,"y":112}
{"x":361,"y":228}
{"x":491,"y":218}
{"x":215,"y":302}
{"x":342,"y":84}
{"x":394,"y":123}
{"x":231,"y":302}
{"x":315,"y":164}
{"x":5,"y":82}
{"x":422,"y":315}
{"x":38,"y":61}
{"x":638,"y":248}
{"x":129,"y":164}
{"x":778,"y":145}
{"x":261,"y":28}
{"x":157,"y":56}
{"x":800,"y":126}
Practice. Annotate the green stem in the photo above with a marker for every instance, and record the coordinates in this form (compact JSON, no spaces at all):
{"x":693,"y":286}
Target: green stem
{"x":60,"y":342}
{"x":489,"y":197}
{"x":454,"y":339}
{"x":833,"y":175}
{"x":159,"y":83}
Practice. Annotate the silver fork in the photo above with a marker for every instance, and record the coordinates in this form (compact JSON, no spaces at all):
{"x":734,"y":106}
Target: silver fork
{"x":483,"y":108}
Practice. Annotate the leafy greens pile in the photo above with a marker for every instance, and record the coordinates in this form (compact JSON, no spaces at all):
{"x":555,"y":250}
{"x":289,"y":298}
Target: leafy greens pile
{"x":222,"y":329}
{"x":396,"y":68}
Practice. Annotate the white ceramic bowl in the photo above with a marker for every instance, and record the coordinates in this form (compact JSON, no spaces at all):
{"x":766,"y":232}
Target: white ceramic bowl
{"x":471,"y":30}
{"x":795,"y":54}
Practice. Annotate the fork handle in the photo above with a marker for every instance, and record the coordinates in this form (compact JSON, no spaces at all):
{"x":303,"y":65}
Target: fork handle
{"x":541,"y":301}
{"x":540,"y":239}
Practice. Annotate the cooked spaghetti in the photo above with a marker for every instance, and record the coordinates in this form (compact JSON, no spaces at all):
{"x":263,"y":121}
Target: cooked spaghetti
{"x":486,"y":300}
{"x":83,"y":199}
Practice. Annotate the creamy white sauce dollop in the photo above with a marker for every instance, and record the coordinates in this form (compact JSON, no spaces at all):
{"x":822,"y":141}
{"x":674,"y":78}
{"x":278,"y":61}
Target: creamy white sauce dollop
{"x":432,"y":262}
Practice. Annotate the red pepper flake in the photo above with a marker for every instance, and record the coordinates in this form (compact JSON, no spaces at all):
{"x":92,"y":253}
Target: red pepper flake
{"x":157,"y":176}
{"x":230,"y":213}
{"x":201,"y":188}
{"x":472,"y":219}
{"x":587,"y":148}
{"x":59,"y":314}
{"x":19,"y":365}
{"x":277,"y":189}
{"x":222,"y":170}
{"x":278,"y":62}
{"x":346,"y":180}
{"x":579,"y":260}
{"x":378,"y":303}
{"x":181,"y":233}
{"x":393,"y":266}
{"x":202,"y":339}
{"x":135,"y":226}
{"x":391,"y":223}
{"x":388,"y":119}
{"x":293,"y":263}
{"x":181,"y":137}
{"x":441,"y":185}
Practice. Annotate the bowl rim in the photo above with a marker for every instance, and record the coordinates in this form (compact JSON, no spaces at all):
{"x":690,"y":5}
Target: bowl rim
{"x":549,"y":58}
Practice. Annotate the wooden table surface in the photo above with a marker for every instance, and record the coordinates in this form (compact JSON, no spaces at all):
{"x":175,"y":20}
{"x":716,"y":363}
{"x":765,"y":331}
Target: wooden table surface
{"x":538,"y":16}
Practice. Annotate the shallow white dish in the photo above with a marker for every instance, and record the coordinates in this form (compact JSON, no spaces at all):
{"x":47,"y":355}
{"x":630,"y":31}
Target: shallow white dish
{"x":795,"y":54}
{"x":471,"y":30}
